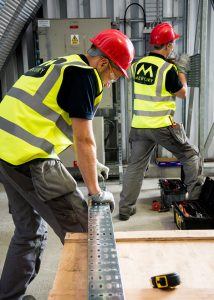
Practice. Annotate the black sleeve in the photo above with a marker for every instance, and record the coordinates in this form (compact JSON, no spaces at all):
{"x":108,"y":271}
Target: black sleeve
{"x":173,"y":83}
{"x":77,"y":92}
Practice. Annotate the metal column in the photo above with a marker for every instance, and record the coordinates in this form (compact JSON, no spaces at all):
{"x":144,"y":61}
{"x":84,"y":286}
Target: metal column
{"x":202,"y":92}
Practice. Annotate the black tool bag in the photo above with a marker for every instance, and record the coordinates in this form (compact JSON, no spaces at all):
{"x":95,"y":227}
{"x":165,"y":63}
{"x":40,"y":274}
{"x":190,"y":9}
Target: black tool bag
{"x":197,"y":214}
{"x":172,"y":190}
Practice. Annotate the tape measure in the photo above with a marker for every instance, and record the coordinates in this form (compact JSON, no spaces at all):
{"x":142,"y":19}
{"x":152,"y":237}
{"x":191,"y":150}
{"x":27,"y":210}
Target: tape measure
{"x":166,"y":281}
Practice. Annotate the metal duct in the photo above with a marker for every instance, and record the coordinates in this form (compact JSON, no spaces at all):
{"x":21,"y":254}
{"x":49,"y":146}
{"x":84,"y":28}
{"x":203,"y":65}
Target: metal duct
{"x":14,"y":17}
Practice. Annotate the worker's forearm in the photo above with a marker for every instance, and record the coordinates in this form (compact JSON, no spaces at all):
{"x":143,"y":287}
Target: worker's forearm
{"x":86,"y":158}
{"x":182,"y":78}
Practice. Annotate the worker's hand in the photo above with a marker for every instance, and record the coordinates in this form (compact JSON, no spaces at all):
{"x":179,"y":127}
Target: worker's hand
{"x":183,"y":63}
{"x":103,"y":197}
{"x":102,"y":171}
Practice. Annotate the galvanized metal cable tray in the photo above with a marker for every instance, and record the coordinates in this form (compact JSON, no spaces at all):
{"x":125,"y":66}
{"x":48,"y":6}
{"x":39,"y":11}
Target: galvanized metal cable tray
{"x":104,"y":280}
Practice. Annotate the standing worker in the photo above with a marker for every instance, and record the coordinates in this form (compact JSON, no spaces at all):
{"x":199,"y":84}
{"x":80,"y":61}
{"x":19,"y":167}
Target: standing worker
{"x":156,"y":84}
{"x":47,"y":109}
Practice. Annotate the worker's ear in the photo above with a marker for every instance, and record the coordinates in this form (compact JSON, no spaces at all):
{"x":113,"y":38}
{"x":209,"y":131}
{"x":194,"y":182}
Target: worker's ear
{"x":170,"y":45}
{"x":103,"y":63}
{"x":167,"y":46}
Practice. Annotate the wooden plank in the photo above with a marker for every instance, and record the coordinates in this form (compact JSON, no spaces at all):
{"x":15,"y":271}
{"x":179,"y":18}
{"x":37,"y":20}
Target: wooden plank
{"x":76,"y":237}
{"x":149,"y":294}
{"x":166,"y":159}
{"x":71,"y":278}
{"x":142,"y":255}
{"x":131,"y":236}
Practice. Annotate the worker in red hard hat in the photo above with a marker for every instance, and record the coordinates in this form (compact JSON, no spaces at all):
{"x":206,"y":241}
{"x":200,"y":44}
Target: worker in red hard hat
{"x":162,"y":34}
{"x":116,"y":46}
{"x":157,"y":83}
{"x":48,"y":109}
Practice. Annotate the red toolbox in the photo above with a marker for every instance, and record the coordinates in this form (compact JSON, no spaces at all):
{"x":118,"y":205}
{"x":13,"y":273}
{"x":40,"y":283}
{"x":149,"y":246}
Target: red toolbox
{"x":196,"y":214}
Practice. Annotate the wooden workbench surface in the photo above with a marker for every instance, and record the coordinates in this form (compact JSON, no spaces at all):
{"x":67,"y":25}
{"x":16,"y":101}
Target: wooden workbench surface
{"x":143,"y":254}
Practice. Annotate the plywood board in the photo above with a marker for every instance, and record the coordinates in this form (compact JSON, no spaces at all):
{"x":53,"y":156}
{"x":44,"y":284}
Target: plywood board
{"x":142,"y":255}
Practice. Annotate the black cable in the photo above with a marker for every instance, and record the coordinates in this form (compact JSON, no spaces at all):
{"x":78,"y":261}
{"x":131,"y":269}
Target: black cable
{"x":144,"y":14}
{"x":111,"y":125}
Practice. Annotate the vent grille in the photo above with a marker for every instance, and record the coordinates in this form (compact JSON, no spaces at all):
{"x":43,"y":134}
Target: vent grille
{"x":14,"y":17}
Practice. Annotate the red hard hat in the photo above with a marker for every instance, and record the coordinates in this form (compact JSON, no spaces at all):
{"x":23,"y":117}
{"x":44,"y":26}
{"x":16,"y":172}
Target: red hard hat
{"x":116,"y":46}
{"x":162,"y":34}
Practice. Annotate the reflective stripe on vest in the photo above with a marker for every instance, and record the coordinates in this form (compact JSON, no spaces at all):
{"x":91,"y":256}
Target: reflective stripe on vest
{"x":154,"y":113}
{"x":26,"y":136}
{"x":153,"y":104}
{"x":153,"y":98}
{"x":58,"y":123}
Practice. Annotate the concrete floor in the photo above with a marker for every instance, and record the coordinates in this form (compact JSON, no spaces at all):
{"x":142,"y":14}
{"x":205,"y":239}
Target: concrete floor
{"x":145,"y":219}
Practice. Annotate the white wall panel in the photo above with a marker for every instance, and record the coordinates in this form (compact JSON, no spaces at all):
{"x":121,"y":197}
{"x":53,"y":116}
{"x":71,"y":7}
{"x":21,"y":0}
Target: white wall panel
{"x":24,"y":53}
{"x":73,"y":8}
{"x":210,"y":69}
{"x":209,"y":103}
{"x":98,"y":8}
{"x":52,"y":9}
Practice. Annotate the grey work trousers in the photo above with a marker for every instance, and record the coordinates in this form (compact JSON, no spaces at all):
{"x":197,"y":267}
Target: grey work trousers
{"x":143,"y":142}
{"x":38,"y":192}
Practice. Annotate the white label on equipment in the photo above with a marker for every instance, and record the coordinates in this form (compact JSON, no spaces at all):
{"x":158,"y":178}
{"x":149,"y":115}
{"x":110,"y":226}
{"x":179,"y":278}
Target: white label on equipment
{"x":43,"y":23}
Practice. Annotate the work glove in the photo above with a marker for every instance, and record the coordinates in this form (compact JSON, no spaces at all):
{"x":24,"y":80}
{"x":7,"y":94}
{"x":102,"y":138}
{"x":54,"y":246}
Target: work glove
{"x":182,"y":63}
{"x":103,"y":197}
{"x":102,"y":171}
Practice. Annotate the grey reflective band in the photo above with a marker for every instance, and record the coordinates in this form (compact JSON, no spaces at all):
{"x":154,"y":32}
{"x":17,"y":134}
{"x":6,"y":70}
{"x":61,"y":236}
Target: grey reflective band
{"x":26,"y":136}
{"x":32,"y":102}
{"x":160,"y":78}
{"x":36,"y":101}
{"x":154,"y":98}
{"x":161,"y":113}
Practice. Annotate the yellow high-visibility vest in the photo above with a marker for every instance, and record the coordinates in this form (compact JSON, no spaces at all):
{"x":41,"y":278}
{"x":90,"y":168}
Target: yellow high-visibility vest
{"x":32,"y":125}
{"x":154,"y":106}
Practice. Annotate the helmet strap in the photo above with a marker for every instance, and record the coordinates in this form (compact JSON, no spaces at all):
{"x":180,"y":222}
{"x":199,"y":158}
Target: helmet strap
{"x":93,"y":51}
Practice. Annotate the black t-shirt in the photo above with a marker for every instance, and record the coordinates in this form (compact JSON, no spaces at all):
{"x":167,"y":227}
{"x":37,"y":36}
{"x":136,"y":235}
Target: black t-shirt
{"x":172,"y":83}
{"x":78,"y":90}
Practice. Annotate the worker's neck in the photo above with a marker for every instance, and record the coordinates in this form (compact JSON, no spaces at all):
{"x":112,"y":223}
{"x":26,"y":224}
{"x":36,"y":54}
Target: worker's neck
{"x":162,"y":52}
{"x":92,"y":60}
